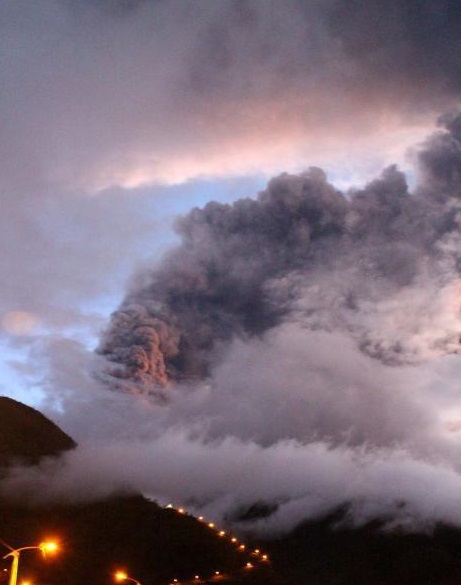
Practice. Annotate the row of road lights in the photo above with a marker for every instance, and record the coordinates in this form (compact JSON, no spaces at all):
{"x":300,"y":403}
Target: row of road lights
{"x":221,"y":533}
{"x":256,"y":553}
{"x":119,"y":576}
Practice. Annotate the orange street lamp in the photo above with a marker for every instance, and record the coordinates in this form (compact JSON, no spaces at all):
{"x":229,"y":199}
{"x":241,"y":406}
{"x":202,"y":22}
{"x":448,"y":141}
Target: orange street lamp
{"x":15,"y":553}
{"x":122,"y":576}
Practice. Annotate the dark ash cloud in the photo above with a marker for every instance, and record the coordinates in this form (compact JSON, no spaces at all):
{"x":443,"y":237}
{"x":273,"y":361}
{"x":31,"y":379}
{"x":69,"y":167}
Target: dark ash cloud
{"x":302,"y":252}
{"x":213,"y":287}
{"x":401,"y":42}
{"x":440,"y":160}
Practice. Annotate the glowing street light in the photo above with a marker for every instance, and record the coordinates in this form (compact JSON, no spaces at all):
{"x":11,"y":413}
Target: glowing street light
{"x":122,"y":576}
{"x":15,"y":553}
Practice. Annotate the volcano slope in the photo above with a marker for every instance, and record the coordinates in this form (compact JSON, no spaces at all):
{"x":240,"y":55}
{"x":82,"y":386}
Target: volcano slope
{"x":152,"y":543}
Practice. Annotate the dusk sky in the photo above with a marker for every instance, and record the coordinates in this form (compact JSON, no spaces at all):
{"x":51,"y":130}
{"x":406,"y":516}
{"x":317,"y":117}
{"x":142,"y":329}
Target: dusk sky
{"x":267,"y":195}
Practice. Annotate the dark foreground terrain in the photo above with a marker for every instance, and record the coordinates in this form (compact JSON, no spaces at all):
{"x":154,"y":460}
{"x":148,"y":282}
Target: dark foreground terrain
{"x":318,"y":553}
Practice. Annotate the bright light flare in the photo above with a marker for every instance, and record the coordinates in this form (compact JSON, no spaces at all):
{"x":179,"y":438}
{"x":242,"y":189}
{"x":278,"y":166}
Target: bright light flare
{"x":48,"y":547}
{"x":120,"y":576}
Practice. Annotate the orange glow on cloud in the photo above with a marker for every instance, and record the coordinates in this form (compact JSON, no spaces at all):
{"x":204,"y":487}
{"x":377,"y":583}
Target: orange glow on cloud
{"x":19,"y":322}
{"x":270,"y":137}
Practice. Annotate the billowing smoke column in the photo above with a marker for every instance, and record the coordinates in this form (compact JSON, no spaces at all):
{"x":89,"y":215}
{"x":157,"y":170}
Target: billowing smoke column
{"x":379,"y":264}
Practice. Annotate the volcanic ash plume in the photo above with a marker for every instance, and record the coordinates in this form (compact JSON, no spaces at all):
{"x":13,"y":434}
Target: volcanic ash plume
{"x":379,"y":265}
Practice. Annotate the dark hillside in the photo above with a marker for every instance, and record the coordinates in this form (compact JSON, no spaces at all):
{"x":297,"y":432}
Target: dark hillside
{"x":323,"y":553}
{"x":155,"y":545}
{"x":27,"y":435}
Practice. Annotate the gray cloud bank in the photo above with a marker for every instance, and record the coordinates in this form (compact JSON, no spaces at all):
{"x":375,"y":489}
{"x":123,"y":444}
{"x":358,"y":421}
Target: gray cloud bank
{"x":120,"y":93}
{"x":125,"y":93}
